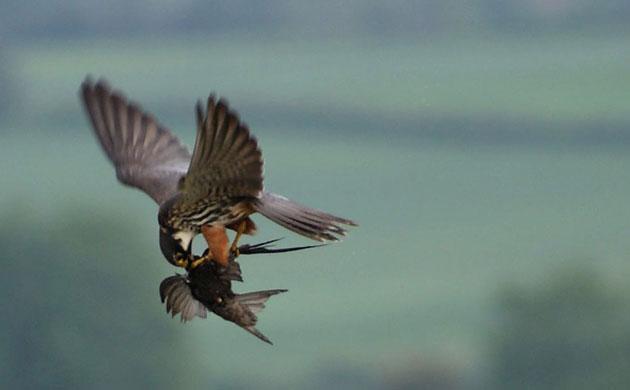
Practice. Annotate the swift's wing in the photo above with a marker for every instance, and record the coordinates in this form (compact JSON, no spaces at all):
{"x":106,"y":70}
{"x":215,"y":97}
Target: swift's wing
{"x":175,"y":291}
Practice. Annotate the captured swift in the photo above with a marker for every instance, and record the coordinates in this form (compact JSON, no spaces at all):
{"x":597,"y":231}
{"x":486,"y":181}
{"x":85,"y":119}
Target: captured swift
{"x":208,"y":287}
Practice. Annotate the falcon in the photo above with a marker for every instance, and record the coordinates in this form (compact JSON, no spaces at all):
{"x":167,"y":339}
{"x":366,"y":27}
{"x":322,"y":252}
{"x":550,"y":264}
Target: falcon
{"x":215,"y":188}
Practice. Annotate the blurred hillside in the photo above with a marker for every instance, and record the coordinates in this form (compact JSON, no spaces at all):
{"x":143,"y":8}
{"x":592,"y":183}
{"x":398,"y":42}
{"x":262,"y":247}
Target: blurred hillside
{"x":397,"y":19}
{"x":569,"y":331}
{"x":483,"y":71}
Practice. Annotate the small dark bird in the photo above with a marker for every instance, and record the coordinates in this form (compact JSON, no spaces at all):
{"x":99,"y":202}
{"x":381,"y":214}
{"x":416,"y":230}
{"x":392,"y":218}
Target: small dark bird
{"x":216,"y":187}
{"x":209,"y":287}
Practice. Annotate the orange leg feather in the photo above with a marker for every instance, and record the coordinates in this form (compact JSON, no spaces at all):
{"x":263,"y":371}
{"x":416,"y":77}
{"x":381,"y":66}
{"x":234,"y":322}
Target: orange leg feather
{"x":217,"y":243}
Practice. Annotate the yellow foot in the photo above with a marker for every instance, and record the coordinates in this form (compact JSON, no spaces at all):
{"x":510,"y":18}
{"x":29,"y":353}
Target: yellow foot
{"x":239,"y":233}
{"x":181,"y":263}
{"x":199,"y":261}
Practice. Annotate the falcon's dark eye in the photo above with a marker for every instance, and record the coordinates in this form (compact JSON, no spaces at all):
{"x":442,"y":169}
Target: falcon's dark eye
{"x":175,"y":245}
{"x":181,"y":182}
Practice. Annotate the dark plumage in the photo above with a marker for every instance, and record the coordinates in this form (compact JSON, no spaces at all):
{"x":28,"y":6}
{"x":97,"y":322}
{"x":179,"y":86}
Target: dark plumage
{"x":209,"y":287}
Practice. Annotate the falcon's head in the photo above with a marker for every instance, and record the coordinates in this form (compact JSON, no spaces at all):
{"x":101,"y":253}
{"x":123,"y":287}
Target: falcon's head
{"x":176,"y":244}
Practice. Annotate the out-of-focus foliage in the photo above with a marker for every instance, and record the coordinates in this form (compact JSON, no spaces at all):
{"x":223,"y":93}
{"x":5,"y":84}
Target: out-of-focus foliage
{"x":7,"y":93}
{"x":72,"y":317}
{"x":570,"y":332}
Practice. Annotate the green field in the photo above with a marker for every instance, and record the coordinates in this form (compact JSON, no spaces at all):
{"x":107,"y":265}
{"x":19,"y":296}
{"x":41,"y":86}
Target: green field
{"x":554,"y":78}
{"x":444,"y":227}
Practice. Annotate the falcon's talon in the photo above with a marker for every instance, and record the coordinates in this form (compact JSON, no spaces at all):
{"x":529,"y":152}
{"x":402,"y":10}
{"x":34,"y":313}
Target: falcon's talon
{"x":182,"y":263}
{"x":239,"y":232}
{"x":196,"y":263}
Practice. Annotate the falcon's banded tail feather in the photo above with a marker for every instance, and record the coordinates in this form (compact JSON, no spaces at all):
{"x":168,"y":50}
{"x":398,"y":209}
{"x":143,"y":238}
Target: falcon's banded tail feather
{"x":311,"y":223}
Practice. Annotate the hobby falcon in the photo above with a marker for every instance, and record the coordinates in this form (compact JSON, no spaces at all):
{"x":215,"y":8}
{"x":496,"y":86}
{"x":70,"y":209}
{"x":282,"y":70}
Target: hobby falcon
{"x":215,"y":188}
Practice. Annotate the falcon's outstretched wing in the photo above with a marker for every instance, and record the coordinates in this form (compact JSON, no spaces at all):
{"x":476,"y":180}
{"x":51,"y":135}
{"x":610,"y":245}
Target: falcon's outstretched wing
{"x":226,"y":161}
{"x":146,"y":155}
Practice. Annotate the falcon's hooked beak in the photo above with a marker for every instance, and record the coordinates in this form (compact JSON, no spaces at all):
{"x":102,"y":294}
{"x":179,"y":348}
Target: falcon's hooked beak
{"x":176,"y":246}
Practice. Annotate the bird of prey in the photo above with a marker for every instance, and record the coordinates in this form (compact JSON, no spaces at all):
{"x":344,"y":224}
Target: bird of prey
{"x":216,"y":187}
{"x":209,"y":287}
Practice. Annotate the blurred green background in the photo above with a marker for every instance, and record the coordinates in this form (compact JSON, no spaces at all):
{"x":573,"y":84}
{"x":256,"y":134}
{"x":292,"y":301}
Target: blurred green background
{"x":482,"y":146}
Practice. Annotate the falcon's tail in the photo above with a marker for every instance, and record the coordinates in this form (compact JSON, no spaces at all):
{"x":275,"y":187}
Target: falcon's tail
{"x":255,"y":302}
{"x":311,"y":223}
